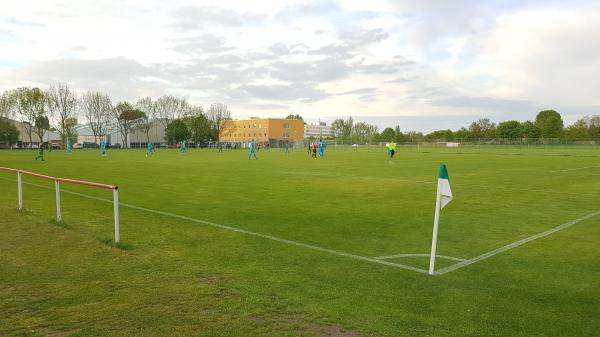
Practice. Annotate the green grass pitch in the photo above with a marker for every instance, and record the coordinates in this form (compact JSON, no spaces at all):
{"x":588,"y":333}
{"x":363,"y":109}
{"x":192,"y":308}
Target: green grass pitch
{"x":298,"y":255}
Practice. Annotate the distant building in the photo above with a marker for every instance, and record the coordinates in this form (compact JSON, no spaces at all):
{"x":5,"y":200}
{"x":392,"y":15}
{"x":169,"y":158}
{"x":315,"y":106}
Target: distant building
{"x":272,"y":130}
{"x":317,"y":131}
{"x":113,"y":136}
{"x":156,"y":134}
{"x":25,"y":142}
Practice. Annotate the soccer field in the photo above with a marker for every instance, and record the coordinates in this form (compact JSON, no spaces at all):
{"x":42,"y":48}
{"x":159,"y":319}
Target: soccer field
{"x":214,"y":244}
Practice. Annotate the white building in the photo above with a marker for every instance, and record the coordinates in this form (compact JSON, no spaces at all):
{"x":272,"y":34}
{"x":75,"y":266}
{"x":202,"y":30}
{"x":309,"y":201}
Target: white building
{"x":317,"y":131}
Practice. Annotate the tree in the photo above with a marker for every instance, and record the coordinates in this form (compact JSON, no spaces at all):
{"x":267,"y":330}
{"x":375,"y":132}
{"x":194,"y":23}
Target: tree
{"x":9,"y":134}
{"x":342,"y":129}
{"x":42,"y":124}
{"x":200,"y":128}
{"x":594,"y":128}
{"x":363,"y":132}
{"x":168,"y":108}
{"x":414,"y":136}
{"x":529,"y":130}
{"x":441,"y":135}
{"x":126,"y":119}
{"x":176,"y":132}
{"x":550,"y":124}
{"x":97,"y":109}
{"x":482,"y":129}
{"x":28,"y":105}
{"x":147,"y":106}
{"x":61,"y":102}
{"x":578,"y":130}
{"x":509,"y":129}
{"x":462,"y":134}
{"x":220,"y":117}
{"x":388,"y":134}
{"x":70,"y":131}
{"x":6,"y":105}
{"x":292,"y":116}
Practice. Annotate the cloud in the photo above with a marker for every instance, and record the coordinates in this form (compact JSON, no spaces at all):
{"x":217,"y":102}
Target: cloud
{"x":279,"y":107}
{"x":327,"y":69}
{"x":338,"y":51}
{"x":201,"y":44}
{"x":17,"y":22}
{"x":360,"y":37}
{"x":487,"y":103}
{"x":6,"y":35}
{"x":191,"y":18}
{"x":121,"y":78}
{"x":358,"y":91}
{"x":317,"y":8}
{"x":402,"y":79}
{"x":285,"y":92}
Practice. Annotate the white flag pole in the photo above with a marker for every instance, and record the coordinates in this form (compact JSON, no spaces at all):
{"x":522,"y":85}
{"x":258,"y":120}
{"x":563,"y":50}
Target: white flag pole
{"x":436,"y":221}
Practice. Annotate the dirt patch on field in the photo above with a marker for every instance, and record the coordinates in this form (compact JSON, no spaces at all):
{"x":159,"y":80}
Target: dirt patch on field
{"x":306,"y":327}
{"x":207,"y":280}
{"x":333,"y":331}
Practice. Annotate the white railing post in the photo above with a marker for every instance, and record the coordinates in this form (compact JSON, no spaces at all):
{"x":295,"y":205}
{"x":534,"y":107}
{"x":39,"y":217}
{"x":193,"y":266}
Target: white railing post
{"x":116,"y":205}
{"x":57,"y":189}
{"x":20,"y":188}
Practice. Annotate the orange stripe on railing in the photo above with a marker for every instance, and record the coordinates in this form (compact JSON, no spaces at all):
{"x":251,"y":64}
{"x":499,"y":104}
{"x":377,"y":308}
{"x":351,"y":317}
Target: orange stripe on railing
{"x":64,"y":180}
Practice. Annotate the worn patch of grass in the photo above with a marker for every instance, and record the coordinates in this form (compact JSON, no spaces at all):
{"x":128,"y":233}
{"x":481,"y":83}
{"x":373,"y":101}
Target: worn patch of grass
{"x":62,"y":224}
{"x":120,"y":245}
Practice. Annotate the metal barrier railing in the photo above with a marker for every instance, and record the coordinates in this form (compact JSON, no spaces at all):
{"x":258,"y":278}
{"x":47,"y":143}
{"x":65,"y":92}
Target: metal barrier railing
{"x":57,"y":182}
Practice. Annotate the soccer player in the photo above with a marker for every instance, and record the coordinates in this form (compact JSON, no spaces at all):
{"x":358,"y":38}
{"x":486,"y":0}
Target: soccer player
{"x":387,"y":145}
{"x":392,"y":150}
{"x":287,"y":147}
{"x":149,"y":149}
{"x":40,"y":153}
{"x":321,"y":148}
{"x":314,"y":150}
{"x":69,"y":146}
{"x":103,"y":148}
{"x":252,"y":151}
{"x":183,"y":147}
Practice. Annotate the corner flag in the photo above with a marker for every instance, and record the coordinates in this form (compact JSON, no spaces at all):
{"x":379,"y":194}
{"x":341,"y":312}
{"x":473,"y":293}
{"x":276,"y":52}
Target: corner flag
{"x":444,"y":196}
{"x":443,"y":190}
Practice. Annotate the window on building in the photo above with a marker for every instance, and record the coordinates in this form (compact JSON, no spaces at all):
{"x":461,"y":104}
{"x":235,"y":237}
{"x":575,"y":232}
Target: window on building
{"x":286,"y":135}
{"x":286,"y":125}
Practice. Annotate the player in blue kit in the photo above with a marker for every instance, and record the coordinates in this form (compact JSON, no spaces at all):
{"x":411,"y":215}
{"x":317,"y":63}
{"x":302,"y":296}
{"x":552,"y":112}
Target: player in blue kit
{"x":252,"y":151}
{"x":103,"y":148}
{"x":149,"y":149}
{"x":321,"y":149}
{"x":183,"y":147}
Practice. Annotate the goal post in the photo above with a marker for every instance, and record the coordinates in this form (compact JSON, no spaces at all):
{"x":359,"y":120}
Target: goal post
{"x":57,"y":182}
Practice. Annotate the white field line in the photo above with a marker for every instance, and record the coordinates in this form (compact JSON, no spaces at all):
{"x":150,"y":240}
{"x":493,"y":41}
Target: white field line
{"x":334,"y":252}
{"x":386,"y":257}
{"x":575,"y":169}
{"x":243,"y":231}
{"x":514,"y":244}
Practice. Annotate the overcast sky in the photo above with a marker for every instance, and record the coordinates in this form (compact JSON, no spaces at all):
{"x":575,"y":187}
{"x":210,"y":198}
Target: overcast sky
{"x":422,"y":64}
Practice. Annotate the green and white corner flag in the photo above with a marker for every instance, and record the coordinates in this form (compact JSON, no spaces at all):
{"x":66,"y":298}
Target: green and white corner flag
{"x":443,"y":197}
{"x":443,"y":190}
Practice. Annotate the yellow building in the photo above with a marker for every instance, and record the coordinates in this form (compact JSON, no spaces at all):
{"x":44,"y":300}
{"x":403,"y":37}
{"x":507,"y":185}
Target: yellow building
{"x":262,"y":130}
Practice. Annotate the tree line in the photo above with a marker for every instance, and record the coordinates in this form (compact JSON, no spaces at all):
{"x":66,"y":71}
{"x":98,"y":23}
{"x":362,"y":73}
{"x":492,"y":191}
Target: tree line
{"x":59,"y":107}
{"x":548,"y":124}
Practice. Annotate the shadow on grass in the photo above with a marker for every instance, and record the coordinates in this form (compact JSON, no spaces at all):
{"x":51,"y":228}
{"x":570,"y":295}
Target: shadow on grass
{"x":119,"y":245}
{"x":60,"y":224}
